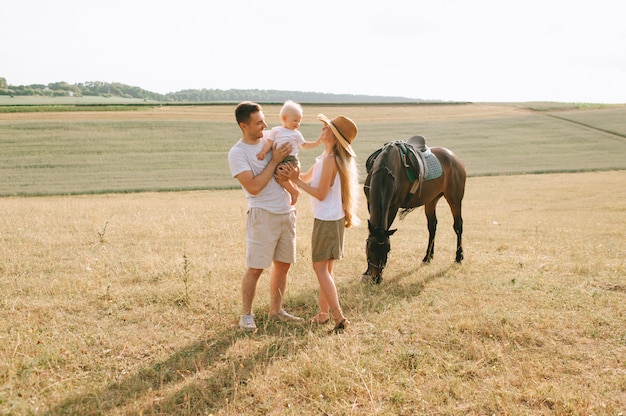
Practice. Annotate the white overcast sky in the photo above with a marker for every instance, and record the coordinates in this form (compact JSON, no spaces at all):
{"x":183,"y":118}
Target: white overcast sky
{"x":462,"y":50}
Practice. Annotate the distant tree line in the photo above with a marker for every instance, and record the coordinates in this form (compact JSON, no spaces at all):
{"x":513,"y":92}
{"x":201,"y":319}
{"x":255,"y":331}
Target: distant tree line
{"x":114,"y":89}
{"x":63,"y":89}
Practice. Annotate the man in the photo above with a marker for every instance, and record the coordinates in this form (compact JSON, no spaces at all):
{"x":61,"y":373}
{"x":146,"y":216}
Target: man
{"x":271,"y":223}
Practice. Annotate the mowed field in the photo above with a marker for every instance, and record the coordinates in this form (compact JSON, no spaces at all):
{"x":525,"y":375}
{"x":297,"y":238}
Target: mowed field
{"x":127,"y":302}
{"x":185,"y":148}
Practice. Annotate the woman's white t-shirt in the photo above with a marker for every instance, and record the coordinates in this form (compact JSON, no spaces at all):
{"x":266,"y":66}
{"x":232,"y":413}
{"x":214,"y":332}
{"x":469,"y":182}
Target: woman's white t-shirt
{"x":331,"y":208}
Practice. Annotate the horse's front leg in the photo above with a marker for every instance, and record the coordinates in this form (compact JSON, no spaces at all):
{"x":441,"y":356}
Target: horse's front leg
{"x":431,"y":217}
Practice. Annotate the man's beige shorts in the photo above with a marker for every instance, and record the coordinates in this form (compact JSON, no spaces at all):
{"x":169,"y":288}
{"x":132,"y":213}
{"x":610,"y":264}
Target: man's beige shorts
{"x":327,"y":240}
{"x":270,"y":237}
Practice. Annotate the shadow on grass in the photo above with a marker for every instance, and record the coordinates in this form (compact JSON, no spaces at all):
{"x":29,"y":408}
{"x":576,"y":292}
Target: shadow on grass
{"x":219,"y":387}
{"x":411,"y":282}
{"x":197,"y":378}
{"x":203,"y":377}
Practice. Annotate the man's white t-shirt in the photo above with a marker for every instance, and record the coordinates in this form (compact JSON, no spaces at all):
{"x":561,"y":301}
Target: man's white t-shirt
{"x":273,"y":198}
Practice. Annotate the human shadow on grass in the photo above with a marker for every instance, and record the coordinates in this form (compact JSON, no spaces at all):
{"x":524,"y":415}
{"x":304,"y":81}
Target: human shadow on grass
{"x":216,"y":375}
{"x":215,"y":391}
{"x":222,"y":387}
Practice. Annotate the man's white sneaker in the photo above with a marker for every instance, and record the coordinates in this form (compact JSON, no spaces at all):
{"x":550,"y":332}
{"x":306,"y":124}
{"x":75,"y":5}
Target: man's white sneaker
{"x":246,"y":322}
{"x":282,"y":315}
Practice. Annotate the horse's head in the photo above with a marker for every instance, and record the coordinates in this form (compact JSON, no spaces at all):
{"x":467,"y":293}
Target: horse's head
{"x":377,"y":249}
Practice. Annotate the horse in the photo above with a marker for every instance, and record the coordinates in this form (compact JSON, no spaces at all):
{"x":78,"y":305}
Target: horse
{"x":389,"y":188}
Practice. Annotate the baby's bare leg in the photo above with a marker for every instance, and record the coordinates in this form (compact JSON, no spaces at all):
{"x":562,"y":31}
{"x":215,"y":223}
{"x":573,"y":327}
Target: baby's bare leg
{"x":291,"y":187}
{"x":293,"y":190}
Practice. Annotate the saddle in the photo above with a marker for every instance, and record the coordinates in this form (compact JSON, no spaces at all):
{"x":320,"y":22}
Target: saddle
{"x":413,"y":153}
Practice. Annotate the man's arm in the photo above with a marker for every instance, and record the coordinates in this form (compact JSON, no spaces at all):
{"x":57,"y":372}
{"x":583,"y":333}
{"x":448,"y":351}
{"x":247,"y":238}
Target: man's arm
{"x":255,"y":184}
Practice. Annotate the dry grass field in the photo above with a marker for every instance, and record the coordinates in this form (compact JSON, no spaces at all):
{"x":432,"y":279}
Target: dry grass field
{"x":127,"y":303}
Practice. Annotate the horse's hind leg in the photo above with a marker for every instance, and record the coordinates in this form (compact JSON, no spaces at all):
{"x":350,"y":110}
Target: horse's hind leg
{"x":458,"y":228}
{"x":431,"y":217}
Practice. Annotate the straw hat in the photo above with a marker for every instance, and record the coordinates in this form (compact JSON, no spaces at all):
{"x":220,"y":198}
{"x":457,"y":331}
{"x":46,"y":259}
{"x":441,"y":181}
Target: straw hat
{"x":344,"y":129}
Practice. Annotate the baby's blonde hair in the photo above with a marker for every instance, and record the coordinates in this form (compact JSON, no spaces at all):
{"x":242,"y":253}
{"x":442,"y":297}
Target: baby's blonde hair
{"x":290,"y":107}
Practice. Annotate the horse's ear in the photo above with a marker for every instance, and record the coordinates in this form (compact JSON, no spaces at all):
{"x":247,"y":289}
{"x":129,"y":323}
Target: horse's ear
{"x":390,"y":232}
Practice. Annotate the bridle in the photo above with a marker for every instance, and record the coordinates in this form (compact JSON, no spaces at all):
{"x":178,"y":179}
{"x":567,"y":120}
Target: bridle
{"x":373,"y":240}
{"x":379,"y":231}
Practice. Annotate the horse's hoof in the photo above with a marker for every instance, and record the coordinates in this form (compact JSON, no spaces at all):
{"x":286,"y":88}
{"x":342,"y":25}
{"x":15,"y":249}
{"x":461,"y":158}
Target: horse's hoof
{"x":370,"y":280}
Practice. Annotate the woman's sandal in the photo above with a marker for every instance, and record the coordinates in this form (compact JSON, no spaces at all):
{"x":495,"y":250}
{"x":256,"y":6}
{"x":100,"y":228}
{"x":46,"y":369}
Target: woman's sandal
{"x":340,"y":327}
{"x":321,"y":318}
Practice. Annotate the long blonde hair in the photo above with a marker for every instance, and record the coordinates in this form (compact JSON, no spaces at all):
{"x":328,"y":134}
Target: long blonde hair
{"x":349,"y":179}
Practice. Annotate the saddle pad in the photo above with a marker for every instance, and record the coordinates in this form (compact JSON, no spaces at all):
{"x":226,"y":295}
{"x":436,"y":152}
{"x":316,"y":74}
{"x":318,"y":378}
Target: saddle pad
{"x":433,"y":166}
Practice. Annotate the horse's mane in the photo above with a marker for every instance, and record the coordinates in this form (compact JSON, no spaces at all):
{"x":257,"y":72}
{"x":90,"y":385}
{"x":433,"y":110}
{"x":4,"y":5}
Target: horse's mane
{"x":378,"y":160}
{"x":369,"y":163}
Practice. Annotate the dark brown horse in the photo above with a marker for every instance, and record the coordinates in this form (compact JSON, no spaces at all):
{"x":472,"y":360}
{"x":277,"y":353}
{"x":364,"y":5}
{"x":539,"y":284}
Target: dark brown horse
{"x":388,"y":188}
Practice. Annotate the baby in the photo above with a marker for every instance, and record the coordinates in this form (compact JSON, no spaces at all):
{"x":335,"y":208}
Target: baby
{"x":290,"y":117}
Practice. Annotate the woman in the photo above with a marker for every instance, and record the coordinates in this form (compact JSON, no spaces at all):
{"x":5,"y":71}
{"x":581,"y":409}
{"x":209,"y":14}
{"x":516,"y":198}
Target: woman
{"x":333,"y":184}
